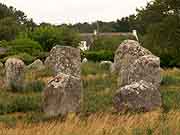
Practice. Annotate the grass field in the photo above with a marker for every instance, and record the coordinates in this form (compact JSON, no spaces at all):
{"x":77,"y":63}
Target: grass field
{"x":20,"y":112}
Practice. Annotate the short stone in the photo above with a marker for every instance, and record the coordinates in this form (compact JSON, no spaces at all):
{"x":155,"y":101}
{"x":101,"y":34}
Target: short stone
{"x":37,"y":64}
{"x":106,"y":64}
{"x":138,"y":96}
{"x":63,"y":95}
{"x":1,"y":65}
{"x":14,"y":73}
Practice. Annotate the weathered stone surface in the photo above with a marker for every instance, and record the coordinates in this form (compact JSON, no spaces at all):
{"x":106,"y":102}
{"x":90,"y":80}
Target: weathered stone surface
{"x":3,"y":51}
{"x":106,"y":64}
{"x":126,"y":54}
{"x":138,"y":96}
{"x":37,"y":64}
{"x":62,"y":95}
{"x":64,"y":59}
{"x":146,"y":68}
{"x":112,"y":68}
{"x":14,"y":73}
{"x":85,"y":60}
{"x":1,"y":65}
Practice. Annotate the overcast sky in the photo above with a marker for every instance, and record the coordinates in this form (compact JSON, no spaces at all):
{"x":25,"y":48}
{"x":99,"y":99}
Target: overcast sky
{"x":73,"y":11}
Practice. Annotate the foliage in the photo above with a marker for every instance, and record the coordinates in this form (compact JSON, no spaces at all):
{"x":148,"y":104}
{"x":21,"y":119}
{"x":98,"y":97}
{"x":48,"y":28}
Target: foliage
{"x":23,"y":46}
{"x":158,"y":23}
{"x":12,"y":21}
{"x":24,"y":49}
{"x":9,"y":28}
{"x":163,"y":38}
{"x":120,"y":25}
{"x":49,"y":36}
{"x":108,"y":43}
{"x":97,"y":56}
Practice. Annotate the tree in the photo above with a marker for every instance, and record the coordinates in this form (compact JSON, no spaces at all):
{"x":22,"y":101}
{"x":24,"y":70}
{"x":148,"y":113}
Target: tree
{"x":49,"y":36}
{"x":8,"y":28}
{"x":12,"y":22}
{"x":159,"y":23}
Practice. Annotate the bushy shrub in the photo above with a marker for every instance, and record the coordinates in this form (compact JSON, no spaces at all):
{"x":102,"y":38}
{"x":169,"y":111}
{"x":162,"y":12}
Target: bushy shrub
{"x":163,"y":40}
{"x":49,"y":36}
{"x":97,"y":56}
{"x":22,"y":46}
{"x":24,"y":49}
{"x":42,"y":56}
{"x":109,"y":43}
{"x":9,"y":28}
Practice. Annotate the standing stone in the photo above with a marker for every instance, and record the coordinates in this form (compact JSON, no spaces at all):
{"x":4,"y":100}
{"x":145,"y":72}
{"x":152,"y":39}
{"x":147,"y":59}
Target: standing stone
{"x":1,"y":65}
{"x":14,"y":73}
{"x":139,"y":78}
{"x":85,"y":60}
{"x":106,"y":64}
{"x":126,"y":54}
{"x":146,"y":68}
{"x":64,"y":59}
{"x":62,"y":95}
{"x":138,"y":96}
{"x":37,"y":64}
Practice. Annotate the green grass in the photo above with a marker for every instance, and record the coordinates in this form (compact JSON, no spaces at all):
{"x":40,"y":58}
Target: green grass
{"x":11,"y":102}
{"x":92,"y":68}
{"x":99,"y":87}
{"x":170,"y":80}
{"x":171,"y":100}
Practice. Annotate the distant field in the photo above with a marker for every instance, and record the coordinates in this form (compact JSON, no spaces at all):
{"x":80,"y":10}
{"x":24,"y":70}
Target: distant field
{"x":20,"y":112}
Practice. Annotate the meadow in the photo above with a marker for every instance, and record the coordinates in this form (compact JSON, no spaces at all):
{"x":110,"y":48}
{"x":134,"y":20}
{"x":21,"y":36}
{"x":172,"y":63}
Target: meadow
{"x":21,"y":114}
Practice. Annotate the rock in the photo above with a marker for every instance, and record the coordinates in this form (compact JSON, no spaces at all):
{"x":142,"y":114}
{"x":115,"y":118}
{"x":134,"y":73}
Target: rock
{"x":14,"y":73}
{"x":138,"y":96}
{"x":3,"y":50}
{"x":146,"y":68}
{"x":106,"y":64}
{"x":64,"y":59}
{"x":112,"y":69}
{"x":1,"y":65}
{"x":126,"y":54}
{"x":63,"y":95}
{"x":37,"y":64}
{"x":85,"y":60}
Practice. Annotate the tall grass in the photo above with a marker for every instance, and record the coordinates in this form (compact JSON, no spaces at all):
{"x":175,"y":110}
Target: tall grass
{"x":98,"y":116}
{"x":153,"y":123}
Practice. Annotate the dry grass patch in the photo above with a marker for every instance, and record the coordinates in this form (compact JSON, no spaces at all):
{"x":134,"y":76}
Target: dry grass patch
{"x":154,"y":123}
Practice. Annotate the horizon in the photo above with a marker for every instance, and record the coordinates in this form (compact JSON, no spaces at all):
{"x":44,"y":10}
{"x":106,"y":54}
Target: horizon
{"x":79,"y":11}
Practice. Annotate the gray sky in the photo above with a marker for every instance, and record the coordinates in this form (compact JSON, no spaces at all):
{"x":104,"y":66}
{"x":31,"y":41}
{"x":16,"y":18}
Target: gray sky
{"x":73,"y":11}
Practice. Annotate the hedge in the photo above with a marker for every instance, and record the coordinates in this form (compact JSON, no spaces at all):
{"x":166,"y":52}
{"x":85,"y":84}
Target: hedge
{"x":98,"y":56}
